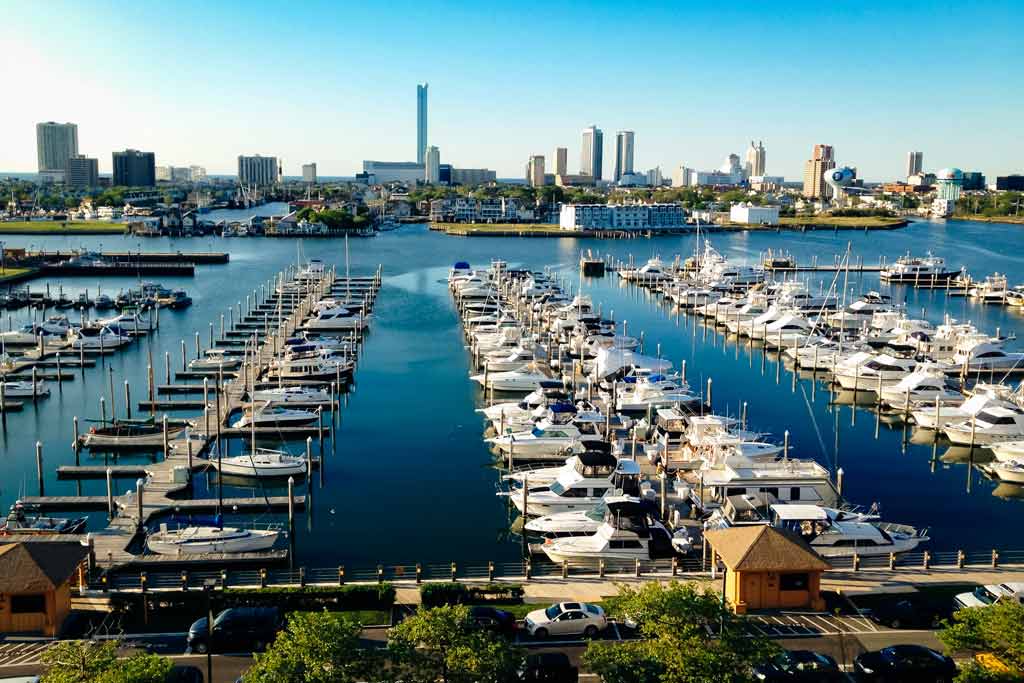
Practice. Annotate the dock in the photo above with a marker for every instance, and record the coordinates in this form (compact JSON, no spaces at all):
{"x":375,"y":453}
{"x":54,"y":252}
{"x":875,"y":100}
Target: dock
{"x":194,"y":258}
{"x":164,"y":486}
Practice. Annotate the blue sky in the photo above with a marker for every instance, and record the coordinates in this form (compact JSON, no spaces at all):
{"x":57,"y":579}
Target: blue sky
{"x":200,"y":83}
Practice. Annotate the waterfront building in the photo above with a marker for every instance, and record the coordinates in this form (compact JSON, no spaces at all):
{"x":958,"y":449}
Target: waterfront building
{"x":654,"y":177}
{"x":432,"y":166}
{"x":421,"y":123}
{"x":1010,"y":183}
{"x":681,"y":176}
{"x":55,"y":144}
{"x":755,"y":159}
{"x":949,"y":182}
{"x":715,"y":178}
{"x":632,"y":180}
{"x":471,"y":210}
{"x":198,"y":173}
{"x":822,"y":160}
{"x":592,"y":154}
{"x":409,"y":172}
{"x":133,"y":168}
{"x":637,"y":216}
{"x":309,"y":173}
{"x":973,"y":180}
{"x":574,"y":180}
{"x":473,"y":176}
{"x":258,"y":171}
{"x":921,"y":179}
{"x":535,"y":171}
{"x":766,"y":183}
{"x":915,"y":163}
{"x":746,"y":213}
{"x":178,"y":174}
{"x":623,"y":154}
{"x":561,"y":161}
{"x":82,"y":171}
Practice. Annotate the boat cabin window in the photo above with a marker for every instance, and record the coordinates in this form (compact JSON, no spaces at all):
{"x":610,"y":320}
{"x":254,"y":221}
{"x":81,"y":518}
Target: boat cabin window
{"x":598,"y":492}
{"x":622,"y":545}
{"x":794,"y":493}
{"x":996,"y":419}
{"x":991,"y":354}
{"x":795,"y":581}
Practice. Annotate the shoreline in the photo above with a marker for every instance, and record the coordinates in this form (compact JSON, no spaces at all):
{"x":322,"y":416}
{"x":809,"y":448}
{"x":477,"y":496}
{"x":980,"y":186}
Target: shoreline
{"x":553,"y":230}
{"x":1006,"y":220}
{"x":61,"y":228}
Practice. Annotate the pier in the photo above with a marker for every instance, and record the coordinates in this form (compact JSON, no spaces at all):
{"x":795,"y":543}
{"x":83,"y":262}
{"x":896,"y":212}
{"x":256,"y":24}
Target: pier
{"x":163,"y":487}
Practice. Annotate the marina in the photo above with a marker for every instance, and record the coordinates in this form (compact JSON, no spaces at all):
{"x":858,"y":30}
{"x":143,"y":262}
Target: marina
{"x":416,"y":353}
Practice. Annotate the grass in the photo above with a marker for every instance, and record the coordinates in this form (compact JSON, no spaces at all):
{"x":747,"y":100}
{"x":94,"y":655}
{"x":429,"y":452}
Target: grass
{"x":61,"y":228}
{"x":843,"y":221}
{"x":499,"y":228}
{"x":1016,"y":220}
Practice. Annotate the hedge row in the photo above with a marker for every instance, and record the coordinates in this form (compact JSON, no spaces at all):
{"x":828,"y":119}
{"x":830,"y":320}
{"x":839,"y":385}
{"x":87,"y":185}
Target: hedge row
{"x":437,"y":594}
{"x":353,"y":597}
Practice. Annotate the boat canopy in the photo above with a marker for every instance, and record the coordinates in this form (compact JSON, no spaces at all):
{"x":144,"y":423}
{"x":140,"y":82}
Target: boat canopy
{"x":787,"y":512}
{"x":461,"y":265}
{"x":562,"y":407}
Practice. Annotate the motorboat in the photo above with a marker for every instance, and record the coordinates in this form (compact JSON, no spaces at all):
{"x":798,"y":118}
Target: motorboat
{"x":789,"y":480}
{"x":587,"y":465}
{"x":269,"y":415}
{"x":988,"y":356}
{"x":936,"y":417}
{"x":990,"y":425}
{"x":834,"y":533}
{"x":507,"y":361}
{"x":130,"y":434}
{"x":628,"y":532}
{"x":338,"y":318}
{"x":20,"y":522}
{"x":216,"y":359}
{"x":873,"y":372}
{"x":1006,"y":451}
{"x":131,"y":322}
{"x":294,"y":394}
{"x":576,"y":522}
{"x":175,"y":300}
{"x":652,"y":392}
{"x":461,"y":269}
{"x":1009,"y":470}
{"x":994,"y":289}
{"x":861,"y":312}
{"x":792,"y":329}
{"x":103,"y":302}
{"x":55,"y":327}
{"x":195,"y":540}
{"x":927,"y":384}
{"x":575,"y":491}
{"x":917,"y":269}
{"x":97,"y":338}
{"x":528,"y":378}
{"x":23,"y":388}
{"x":311,"y":369}
{"x":652,"y":271}
{"x":261,"y":463}
{"x":546,"y":440}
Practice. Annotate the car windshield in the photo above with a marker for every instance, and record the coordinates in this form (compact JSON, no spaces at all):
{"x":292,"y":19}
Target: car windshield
{"x":985,"y":595}
{"x":593,"y":609}
{"x":552,"y":612}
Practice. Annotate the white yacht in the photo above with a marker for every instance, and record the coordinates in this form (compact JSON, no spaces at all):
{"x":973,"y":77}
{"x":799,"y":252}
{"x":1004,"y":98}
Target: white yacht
{"x":1005,"y":451}
{"x":990,"y":425}
{"x":261,"y":463}
{"x":983,"y":396}
{"x":861,"y":312}
{"x":927,"y":384}
{"x":194,"y":540}
{"x":868,"y":374}
{"x":338,"y":318}
{"x":577,"y":522}
{"x":54,"y":327}
{"x":628,"y":531}
{"x":993,"y":289}
{"x":792,"y":329}
{"x":97,"y":338}
{"x":834,"y":533}
{"x":310,"y":369}
{"x":528,"y":378}
{"x":275,"y":416}
{"x":588,"y":465}
{"x":652,"y":271}
{"x":574,"y":491}
{"x":789,"y":480}
{"x":988,"y":356}
{"x":131,"y":322}
{"x":507,"y":361}
{"x":216,"y":359}
{"x":547,"y":440}
{"x":912,"y":269}
{"x":286,"y":395}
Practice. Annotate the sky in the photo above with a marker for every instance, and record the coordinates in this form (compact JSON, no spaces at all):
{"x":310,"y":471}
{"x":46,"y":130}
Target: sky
{"x":335,"y":83}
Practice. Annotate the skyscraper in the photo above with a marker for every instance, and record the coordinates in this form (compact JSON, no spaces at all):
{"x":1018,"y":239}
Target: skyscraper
{"x":755,"y":159}
{"x":55,"y":144}
{"x":535,"y":171}
{"x":623,"y":154}
{"x":561,"y":161}
{"x":592,"y":154}
{"x":309,"y":173}
{"x":421,"y":122}
{"x":258,"y":171}
{"x":821,"y":160}
{"x":82,"y":171}
{"x":432,"y":166}
{"x":915,"y":162}
{"x":133,"y":168}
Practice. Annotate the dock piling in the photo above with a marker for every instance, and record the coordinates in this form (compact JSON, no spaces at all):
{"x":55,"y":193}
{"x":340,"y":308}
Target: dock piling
{"x":39,"y":466}
{"x":140,"y":485}
{"x":128,"y":399}
{"x":110,"y":493}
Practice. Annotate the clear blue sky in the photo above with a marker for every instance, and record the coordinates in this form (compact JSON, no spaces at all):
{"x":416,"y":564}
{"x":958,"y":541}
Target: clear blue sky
{"x":200,"y":83}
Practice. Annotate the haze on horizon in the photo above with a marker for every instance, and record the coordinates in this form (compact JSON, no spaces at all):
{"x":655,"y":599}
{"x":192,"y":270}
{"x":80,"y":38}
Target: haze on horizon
{"x":201,"y":84}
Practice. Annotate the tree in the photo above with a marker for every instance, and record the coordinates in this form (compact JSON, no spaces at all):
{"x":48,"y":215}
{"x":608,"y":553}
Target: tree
{"x":997,"y":628}
{"x":316,"y":647}
{"x":677,"y":621}
{"x":83,"y":661}
{"x":443,"y":644}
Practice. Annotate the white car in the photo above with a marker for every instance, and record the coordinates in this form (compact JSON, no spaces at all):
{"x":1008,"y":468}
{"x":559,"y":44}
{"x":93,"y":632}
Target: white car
{"x":566,"y":619}
{"x":983,"y":596}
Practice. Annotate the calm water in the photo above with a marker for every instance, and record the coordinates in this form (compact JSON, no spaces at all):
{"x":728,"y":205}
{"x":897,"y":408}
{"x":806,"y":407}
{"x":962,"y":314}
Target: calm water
{"x":409,"y":478}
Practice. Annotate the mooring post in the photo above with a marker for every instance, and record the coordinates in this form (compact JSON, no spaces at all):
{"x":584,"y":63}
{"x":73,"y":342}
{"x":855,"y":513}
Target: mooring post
{"x":110,"y":493}
{"x":128,"y":399}
{"x":167,"y":367}
{"x":291,"y":506}
{"x":167,"y":445}
{"x":103,"y":411}
{"x":39,"y":466}
{"x":140,"y":485}
{"x":75,"y":445}
{"x":60,"y":379}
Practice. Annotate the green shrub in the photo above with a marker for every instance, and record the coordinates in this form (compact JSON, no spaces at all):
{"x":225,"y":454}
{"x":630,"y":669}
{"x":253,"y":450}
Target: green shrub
{"x":437,"y":594}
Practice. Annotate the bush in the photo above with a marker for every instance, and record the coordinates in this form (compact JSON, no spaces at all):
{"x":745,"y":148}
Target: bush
{"x":437,"y":594}
{"x":354,"y":597}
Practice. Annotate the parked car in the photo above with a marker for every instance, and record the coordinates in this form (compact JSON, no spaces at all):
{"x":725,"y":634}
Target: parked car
{"x":239,"y":629}
{"x":983,"y":596}
{"x":566,"y":619}
{"x":906,"y":613}
{"x":800,"y":665}
{"x":184,"y":674}
{"x":494,"y":620}
{"x":904,"y":664}
{"x":548,"y":667}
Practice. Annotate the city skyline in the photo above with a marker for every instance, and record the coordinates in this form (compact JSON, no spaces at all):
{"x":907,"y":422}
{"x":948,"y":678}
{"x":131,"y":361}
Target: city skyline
{"x":207,"y":105}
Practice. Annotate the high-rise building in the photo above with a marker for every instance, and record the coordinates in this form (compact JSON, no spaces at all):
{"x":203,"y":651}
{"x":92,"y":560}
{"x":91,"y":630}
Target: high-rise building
{"x":258,"y":171}
{"x":421,"y":122}
{"x":309,"y":173}
{"x":822,"y":159}
{"x":82,"y":171}
{"x":681,"y":177}
{"x":623,"y":154}
{"x":198,"y":173}
{"x":432,"y":166}
{"x":133,"y":168}
{"x":755,"y":159}
{"x":592,"y":154}
{"x":55,"y":144}
{"x":535,"y":170}
{"x":561,"y":161}
{"x":654,"y":177}
{"x":914,"y":163}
